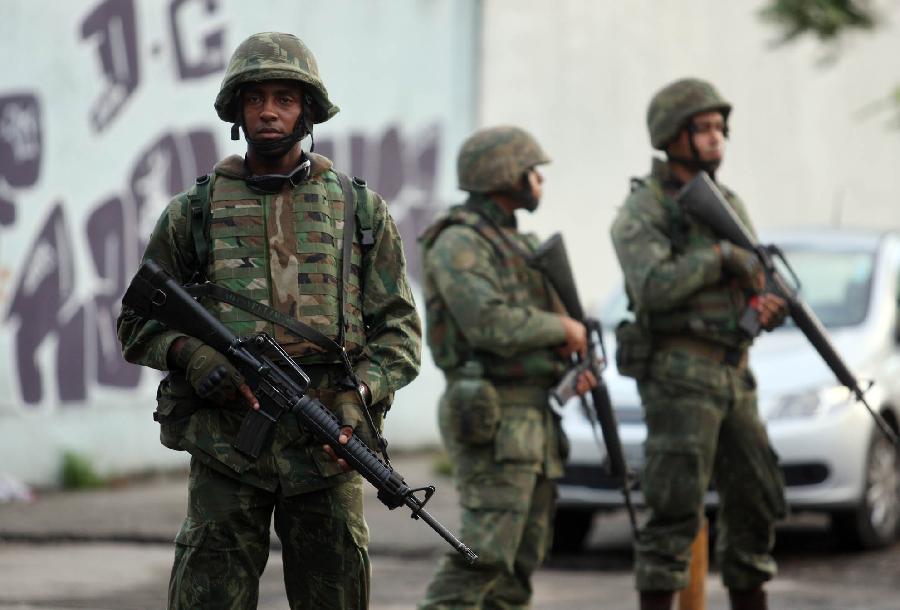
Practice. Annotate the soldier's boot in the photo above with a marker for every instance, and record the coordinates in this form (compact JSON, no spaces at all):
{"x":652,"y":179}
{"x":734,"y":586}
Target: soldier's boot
{"x":751,"y":599}
{"x":656,"y":600}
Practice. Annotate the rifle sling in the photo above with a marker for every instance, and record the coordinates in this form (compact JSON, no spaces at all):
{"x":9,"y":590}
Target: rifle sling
{"x":304,"y":331}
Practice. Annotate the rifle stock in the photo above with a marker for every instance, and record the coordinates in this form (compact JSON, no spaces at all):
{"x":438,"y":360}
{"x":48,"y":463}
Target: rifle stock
{"x":552,"y":260}
{"x":153,"y":294}
{"x":702,"y":198}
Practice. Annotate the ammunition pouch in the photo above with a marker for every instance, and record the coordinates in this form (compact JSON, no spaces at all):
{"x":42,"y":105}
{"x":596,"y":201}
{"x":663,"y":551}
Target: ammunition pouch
{"x":634,"y":350}
{"x":472,"y":407}
{"x":176,"y":402}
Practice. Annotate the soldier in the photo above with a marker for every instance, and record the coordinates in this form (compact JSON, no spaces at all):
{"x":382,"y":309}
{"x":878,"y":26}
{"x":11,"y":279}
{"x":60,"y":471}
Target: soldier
{"x":268,"y":229}
{"x":494,"y":328}
{"x":689,"y":357}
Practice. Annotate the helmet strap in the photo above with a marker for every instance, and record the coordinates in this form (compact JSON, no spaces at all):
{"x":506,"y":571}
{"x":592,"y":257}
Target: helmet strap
{"x":524,"y":195}
{"x":694,"y":162}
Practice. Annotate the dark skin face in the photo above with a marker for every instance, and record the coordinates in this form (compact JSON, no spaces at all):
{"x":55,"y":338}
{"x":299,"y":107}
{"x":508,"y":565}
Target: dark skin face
{"x":709,"y":140}
{"x":271,"y":110}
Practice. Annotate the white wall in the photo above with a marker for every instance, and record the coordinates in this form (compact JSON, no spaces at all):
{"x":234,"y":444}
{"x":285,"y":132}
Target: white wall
{"x":106,"y":110}
{"x":579,"y":74}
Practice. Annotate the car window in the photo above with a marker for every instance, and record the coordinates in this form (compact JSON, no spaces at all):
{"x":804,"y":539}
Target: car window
{"x":835,"y":284}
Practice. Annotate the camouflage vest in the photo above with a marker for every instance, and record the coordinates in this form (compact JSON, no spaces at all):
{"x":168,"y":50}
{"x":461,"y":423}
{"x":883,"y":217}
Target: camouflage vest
{"x":713,"y":312}
{"x":521,"y":284}
{"x":284,"y":250}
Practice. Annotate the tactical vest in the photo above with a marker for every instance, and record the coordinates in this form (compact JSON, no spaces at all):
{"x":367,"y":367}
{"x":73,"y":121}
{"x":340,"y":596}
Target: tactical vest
{"x":713,"y":312}
{"x":522,"y":285}
{"x":284,"y":250}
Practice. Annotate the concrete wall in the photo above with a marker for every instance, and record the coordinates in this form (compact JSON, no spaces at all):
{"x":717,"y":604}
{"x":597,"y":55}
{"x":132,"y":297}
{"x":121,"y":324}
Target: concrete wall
{"x":808,"y":144}
{"x":106,"y":111}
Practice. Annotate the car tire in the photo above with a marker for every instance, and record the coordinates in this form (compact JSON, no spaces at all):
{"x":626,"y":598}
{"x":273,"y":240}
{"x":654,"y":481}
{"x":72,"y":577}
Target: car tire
{"x":874,"y":523}
{"x":570,"y":529}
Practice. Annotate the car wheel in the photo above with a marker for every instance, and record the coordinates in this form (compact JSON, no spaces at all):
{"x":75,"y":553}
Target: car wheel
{"x":873,"y":524}
{"x":570,"y":529}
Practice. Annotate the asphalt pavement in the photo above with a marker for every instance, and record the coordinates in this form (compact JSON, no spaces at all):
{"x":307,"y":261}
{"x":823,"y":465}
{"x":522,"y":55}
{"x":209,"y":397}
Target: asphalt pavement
{"x":112,"y":549}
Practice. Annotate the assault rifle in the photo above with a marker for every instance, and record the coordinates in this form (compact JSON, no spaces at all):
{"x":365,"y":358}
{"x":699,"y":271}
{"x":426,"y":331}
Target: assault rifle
{"x":553,"y":261}
{"x":153,"y":294}
{"x":702,"y":198}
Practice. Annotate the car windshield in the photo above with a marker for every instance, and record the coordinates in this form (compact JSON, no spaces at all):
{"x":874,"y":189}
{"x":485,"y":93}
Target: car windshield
{"x":835,"y":283}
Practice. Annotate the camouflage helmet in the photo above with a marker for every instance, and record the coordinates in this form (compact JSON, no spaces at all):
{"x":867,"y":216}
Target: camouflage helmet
{"x":494,"y":159}
{"x":273,"y":56}
{"x":676,"y":103}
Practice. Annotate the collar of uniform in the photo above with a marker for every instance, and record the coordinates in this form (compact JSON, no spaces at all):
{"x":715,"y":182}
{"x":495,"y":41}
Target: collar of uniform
{"x":660,"y":170}
{"x":493,"y":210}
{"x":233,"y":165}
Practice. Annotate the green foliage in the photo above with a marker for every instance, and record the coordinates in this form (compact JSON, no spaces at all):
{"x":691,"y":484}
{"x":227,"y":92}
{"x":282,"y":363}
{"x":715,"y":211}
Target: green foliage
{"x":78,"y":473}
{"x":825,"y":19}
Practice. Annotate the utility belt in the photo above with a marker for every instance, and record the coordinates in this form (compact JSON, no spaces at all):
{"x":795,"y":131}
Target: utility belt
{"x":718,"y":353}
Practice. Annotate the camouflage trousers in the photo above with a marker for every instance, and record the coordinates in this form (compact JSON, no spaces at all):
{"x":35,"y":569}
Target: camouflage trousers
{"x":507,"y":503}
{"x":702,"y":426}
{"x":223,"y":546}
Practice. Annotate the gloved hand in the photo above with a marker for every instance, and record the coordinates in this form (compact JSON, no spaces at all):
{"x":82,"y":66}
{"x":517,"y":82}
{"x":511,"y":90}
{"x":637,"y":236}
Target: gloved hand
{"x":743,"y":264}
{"x":209,"y":372}
{"x":349,"y":409}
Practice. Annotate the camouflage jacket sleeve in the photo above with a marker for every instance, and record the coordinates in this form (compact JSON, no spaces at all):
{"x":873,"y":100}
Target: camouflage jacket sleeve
{"x":392,"y":354}
{"x":463,"y":266}
{"x":658,"y":278}
{"x":146,"y":342}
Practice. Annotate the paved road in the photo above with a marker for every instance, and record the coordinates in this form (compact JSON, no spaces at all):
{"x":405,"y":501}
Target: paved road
{"x":111,"y":549}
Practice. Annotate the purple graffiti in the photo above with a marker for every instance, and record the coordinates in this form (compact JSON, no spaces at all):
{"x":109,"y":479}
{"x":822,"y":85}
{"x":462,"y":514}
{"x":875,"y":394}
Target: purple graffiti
{"x":42,"y":306}
{"x":403,"y":170}
{"x":21,"y":147}
{"x":205,"y":58}
{"x":45,"y":303}
{"x":113,"y":23}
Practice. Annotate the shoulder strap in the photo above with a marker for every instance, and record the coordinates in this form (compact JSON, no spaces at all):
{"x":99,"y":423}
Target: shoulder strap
{"x":364,"y":212}
{"x":198,"y":204}
{"x":346,"y":251}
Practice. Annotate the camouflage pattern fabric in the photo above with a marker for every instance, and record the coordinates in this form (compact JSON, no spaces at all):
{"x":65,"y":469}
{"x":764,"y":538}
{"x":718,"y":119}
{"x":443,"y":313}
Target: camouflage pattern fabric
{"x":485,"y":304}
{"x":223,"y":545}
{"x":495,"y":158}
{"x":289,"y":245}
{"x":701,"y":413}
{"x":672,"y":273}
{"x":676,"y":103}
{"x":702,"y":426}
{"x":273,"y":56}
{"x":285,"y":250}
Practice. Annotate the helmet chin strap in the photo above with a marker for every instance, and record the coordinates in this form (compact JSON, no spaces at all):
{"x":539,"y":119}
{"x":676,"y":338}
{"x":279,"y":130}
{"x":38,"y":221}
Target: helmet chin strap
{"x":272,"y":149}
{"x":524,"y":194}
{"x":694,"y":162}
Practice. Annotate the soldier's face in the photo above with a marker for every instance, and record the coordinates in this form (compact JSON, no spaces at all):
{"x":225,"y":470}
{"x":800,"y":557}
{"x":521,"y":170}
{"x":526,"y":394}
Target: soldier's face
{"x":708,"y":135}
{"x":536,"y":182}
{"x":271,"y":108}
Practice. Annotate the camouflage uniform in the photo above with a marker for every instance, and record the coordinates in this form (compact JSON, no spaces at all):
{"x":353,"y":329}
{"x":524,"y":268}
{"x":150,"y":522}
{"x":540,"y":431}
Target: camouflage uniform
{"x":491,"y":327}
{"x":283,"y":249}
{"x":698,"y":394}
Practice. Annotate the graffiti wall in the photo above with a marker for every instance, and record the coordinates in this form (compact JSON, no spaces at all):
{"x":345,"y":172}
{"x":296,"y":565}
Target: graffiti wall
{"x":108,"y":113}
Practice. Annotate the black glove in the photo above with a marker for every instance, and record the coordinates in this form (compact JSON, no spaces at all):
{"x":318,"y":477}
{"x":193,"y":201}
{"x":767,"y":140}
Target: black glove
{"x":744,"y":265}
{"x":209,"y":372}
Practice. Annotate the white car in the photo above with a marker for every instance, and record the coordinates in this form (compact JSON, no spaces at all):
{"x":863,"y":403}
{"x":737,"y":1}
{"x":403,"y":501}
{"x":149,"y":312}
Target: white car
{"x":833,"y":456}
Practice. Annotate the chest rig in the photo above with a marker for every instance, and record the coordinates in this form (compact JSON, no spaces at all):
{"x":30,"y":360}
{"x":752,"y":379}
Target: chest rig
{"x":520,"y":283}
{"x":711,"y":313}
{"x":287,"y":263}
